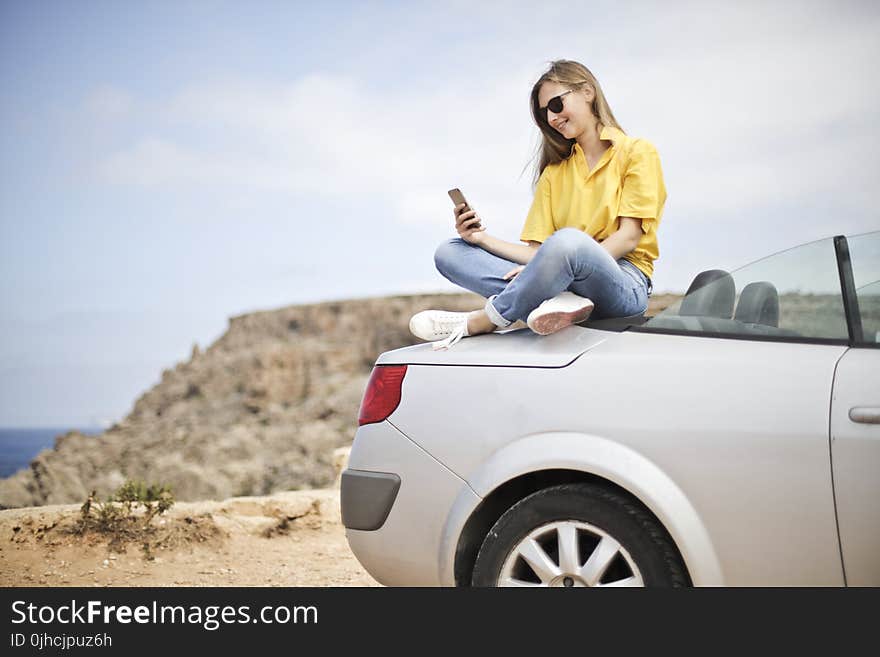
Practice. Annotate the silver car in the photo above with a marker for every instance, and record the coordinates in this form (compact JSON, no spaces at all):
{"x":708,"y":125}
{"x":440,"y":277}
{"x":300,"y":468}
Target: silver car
{"x":732,"y":439}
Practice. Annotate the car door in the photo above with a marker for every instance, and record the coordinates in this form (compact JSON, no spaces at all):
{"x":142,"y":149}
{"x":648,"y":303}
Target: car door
{"x":855,"y":420}
{"x":855,"y":458}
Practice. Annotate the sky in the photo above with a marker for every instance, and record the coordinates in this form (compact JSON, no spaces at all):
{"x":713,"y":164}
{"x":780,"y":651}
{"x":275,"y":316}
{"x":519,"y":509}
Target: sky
{"x":167,"y":165}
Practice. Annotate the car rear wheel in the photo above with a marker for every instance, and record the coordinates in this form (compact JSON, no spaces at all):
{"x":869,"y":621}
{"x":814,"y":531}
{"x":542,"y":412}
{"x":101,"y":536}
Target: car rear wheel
{"x":578,"y":535}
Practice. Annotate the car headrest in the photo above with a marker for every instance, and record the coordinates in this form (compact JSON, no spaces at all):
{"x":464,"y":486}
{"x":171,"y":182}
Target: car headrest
{"x":758,"y":304}
{"x":711,"y":294}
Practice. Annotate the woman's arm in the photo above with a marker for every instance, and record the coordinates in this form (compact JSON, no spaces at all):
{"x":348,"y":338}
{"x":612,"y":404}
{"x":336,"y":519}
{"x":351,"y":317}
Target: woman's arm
{"x":625,"y":239}
{"x":519,"y":253}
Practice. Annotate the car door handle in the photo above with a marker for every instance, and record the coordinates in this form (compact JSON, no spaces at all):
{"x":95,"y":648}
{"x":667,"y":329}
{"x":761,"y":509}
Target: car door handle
{"x":865,"y":414}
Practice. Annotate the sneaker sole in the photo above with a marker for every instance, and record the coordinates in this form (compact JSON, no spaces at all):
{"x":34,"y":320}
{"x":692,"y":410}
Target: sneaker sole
{"x":558,"y":320}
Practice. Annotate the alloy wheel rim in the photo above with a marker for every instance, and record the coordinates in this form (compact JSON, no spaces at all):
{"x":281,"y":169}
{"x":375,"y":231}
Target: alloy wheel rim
{"x":569,"y":553}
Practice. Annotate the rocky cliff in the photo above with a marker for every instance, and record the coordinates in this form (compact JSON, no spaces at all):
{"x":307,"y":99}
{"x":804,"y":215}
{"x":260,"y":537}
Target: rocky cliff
{"x":258,"y":411}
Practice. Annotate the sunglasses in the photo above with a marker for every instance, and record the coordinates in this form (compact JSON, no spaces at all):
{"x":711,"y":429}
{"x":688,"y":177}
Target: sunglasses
{"x":554,"y":104}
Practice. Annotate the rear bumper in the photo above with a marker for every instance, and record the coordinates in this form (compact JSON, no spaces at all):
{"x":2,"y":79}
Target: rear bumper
{"x":405,"y":548}
{"x":367,"y":498}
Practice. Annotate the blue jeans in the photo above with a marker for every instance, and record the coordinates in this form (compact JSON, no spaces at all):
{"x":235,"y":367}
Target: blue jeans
{"x":568,"y":260}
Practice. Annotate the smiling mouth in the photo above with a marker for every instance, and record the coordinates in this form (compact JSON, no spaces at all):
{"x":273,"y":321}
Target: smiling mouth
{"x":560,"y":126}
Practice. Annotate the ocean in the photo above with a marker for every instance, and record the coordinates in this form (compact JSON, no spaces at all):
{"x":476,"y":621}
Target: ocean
{"x":18,"y":447}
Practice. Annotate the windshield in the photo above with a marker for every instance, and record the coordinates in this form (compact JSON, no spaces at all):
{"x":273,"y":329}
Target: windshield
{"x":793,"y":294}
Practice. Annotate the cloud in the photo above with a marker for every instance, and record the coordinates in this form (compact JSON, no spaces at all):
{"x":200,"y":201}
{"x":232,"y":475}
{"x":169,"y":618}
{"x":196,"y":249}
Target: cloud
{"x":759,"y":107}
{"x":157,"y":162}
{"x":328,"y":136}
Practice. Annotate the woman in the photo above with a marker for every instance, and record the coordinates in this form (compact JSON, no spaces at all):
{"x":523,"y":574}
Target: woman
{"x":590,"y":235}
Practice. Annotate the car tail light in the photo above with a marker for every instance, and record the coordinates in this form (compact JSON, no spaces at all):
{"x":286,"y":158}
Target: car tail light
{"x":383,"y":393}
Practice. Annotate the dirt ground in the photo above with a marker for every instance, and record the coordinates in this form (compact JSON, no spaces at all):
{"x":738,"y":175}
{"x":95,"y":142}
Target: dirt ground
{"x":286,"y":539}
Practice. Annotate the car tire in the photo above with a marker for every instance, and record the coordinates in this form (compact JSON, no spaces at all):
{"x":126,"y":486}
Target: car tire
{"x":579,"y":534}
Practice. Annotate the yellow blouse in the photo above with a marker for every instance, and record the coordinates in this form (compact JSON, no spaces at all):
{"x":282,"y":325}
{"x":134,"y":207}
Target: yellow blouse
{"x":627,"y":181}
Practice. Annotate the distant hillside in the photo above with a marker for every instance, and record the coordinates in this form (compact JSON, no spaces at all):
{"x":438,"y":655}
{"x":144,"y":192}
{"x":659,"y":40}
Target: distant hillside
{"x":258,"y":411}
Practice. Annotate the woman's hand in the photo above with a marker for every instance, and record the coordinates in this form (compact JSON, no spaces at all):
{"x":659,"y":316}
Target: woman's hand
{"x":466,"y":224}
{"x":513,"y":272}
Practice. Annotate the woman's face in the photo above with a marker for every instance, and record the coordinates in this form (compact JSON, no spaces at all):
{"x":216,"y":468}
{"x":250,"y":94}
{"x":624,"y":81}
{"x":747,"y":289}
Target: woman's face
{"x":575,"y":116}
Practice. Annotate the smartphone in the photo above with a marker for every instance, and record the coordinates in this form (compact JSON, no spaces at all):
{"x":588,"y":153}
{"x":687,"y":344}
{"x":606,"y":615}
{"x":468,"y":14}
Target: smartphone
{"x":458,"y":198}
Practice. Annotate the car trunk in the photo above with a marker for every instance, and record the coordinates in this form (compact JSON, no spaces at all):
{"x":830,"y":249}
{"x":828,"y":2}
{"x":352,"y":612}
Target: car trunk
{"x":518,"y":348}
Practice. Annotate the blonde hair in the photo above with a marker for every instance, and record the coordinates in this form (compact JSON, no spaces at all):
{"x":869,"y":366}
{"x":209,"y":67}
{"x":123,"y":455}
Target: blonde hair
{"x":572,"y":75}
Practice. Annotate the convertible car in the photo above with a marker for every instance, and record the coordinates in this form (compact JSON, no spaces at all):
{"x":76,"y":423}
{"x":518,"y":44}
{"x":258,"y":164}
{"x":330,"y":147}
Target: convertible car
{"x":732,"y":439}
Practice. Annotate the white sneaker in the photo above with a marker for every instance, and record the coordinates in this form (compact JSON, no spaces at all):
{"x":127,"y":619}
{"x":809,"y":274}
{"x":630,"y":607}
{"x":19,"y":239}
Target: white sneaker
{"x":442,"y":325}
{"x":562,"y":310}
